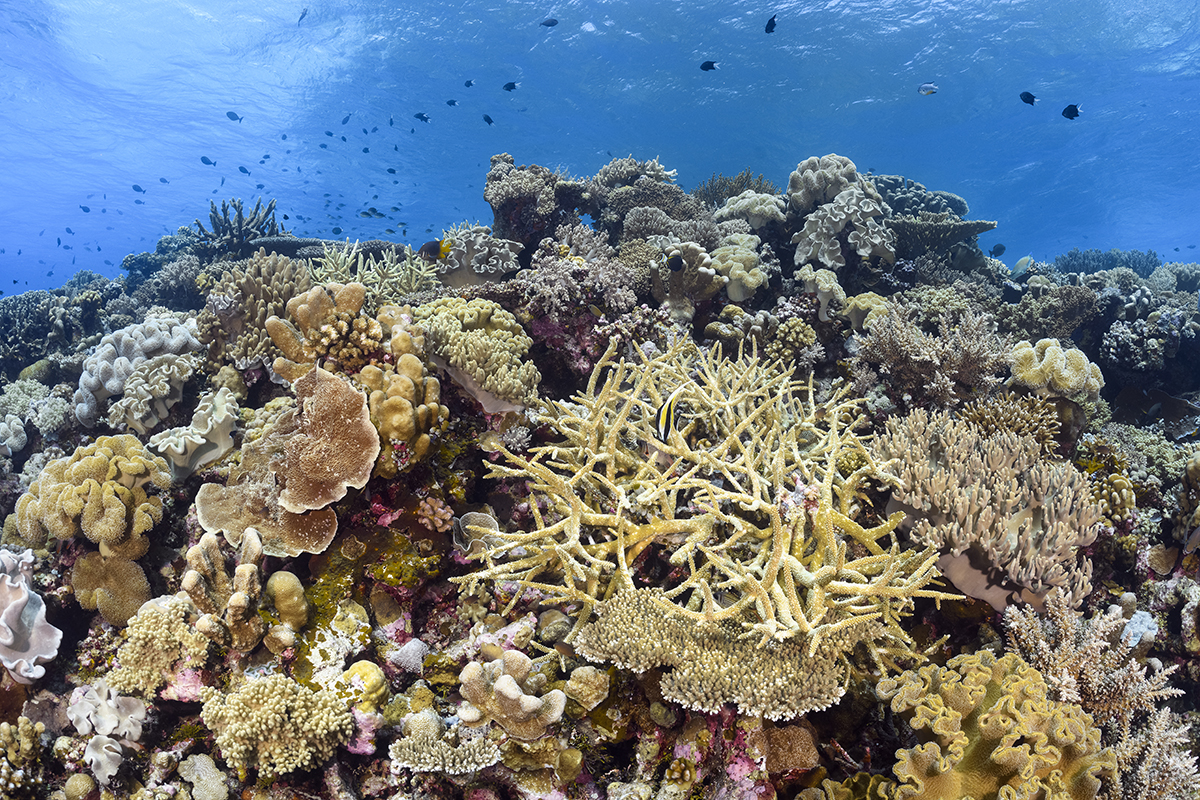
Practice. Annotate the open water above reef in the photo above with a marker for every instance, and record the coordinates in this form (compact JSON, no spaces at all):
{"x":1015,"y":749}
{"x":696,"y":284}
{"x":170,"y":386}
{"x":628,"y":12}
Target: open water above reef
{"x":99,"y":97}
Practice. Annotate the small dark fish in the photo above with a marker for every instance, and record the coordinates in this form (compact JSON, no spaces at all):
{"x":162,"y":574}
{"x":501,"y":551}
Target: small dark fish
{"x":549,"y":23}
{"x":233,"y":116}
{"x":391,"y":121}
{"x":410,"y":130}
{"x":284,"y":137}
{"x":391,"y":170}
{"x":106,"y":261}
{"x":346,"y":118}
{"x":59,"y":241}
{"x":488,"y":120}
{"x":708,"y":66}
{"x":303,"y":14}
{"x":1071,"y":111}
{"x":137,"y":188}
{"x":70,"y":231}
{"x":366,"y":149}
{"x":85,"y":209}
{"x":1191,"y":247}
{"x":421,"y":115}
{"x":337,"y":231}
{"x":1027,"y":97}
{"x":222,"y":180}
{"x":374,"y":129}
{"x":469,"y":84}
{"x":139,"y":202}
{"x":163,"y":180}
{"x":243,"y":170}
{"x":435,"y":249}
{"x":285,"y":216}
{"x":771,"y":24}
{"x":451,"y":103}
{"x":208,"y":161}
{"x":329,"y":133}
{"x":48,"y":274}
{"x":364,"y":130}
{"x":675,"y":263}
{"x":324,"y":146}
{"x":343,"y":138}
{"x":928,"y":88}
{"x":510,"y":86}
{"x":997,"y":251}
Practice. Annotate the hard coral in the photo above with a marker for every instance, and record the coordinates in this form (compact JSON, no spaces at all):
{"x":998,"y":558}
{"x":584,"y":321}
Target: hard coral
{"x":227,"y":598}
{"x":503,"y":690}
{"x":330,"y":329}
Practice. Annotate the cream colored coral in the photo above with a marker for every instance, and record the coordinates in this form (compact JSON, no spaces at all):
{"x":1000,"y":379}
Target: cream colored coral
{"x":423,"y":748}
{"x":482,"y":347}
{"x":824,"y":284}
{"x":1049,"y":369}
{"x":757,"y":208}
{"x":276,"y":725}
{"x":503,"y":691}
{"x":818,"y":180}
{"x":205,"y":440}
{"x":696,"y":280}
{"x":228,"y":598}
{"x":993,"y":499}
{"x":737,"y":259}
{"x":853,"y":210}
{"x":160,"y":639}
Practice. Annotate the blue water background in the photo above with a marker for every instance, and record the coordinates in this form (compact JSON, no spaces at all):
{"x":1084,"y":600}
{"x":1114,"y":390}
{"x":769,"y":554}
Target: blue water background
{"x":98,"y":96}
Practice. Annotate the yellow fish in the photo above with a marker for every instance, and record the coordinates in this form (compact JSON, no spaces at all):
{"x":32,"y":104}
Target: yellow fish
{"x":665,"y":418}
{"x":436,"y":249}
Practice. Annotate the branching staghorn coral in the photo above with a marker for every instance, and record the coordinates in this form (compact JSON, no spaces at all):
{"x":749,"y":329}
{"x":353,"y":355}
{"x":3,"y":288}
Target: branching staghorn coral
{"x":754,"y":500}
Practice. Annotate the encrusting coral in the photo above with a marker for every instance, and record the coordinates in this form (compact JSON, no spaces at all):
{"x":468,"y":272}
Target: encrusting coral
{"x":747,"y":498}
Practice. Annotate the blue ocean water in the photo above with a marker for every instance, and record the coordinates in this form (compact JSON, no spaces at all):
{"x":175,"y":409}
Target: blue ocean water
{"x":100,"y":97}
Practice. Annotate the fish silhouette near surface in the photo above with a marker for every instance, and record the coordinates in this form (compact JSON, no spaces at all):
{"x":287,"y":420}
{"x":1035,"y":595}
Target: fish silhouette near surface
{"x":708,"y":66}
{"x":421,"y":115}
{"x":1071,"y":111}
{"x":1027,"y":97}
{"x":488,"y":120}
{"x":510,"y":86}
{"x":928,"y":88}
{"x":997,"y":251}
{"x":233,"y":116}
{"x":549,"y":23}
{"x":771,"y":24}
{"x":303,"y":14}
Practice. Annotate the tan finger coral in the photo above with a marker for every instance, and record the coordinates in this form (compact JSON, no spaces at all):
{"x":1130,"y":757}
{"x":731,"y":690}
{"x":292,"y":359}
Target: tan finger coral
{"x":329,"y":329}
{"x":228,"y":598}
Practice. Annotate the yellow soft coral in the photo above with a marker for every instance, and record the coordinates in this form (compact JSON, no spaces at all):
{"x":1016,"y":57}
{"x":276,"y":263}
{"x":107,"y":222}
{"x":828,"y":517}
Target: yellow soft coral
{"x":1049,"y":369}
{"x":99,"y":491}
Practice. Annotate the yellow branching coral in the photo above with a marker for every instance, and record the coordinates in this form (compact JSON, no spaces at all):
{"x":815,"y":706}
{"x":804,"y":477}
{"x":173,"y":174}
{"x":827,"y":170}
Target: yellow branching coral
{"x":99,"y":491}
{"x":744,"y":499}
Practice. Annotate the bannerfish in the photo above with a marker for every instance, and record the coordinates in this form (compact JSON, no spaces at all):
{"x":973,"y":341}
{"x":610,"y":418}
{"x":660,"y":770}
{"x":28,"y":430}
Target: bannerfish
{"x":708,"y":66}
{"x":549,"y":23}
{"x":996,"y":251}
{"x":1071,"y":111}
{"x":233,"y":116}
{"x":771,"y":24}
{"x":468,"y":84}
{"x":1026,"y":97}
{"x":208,"y":161}
{"x":451,"y":103}
{"x":928,"y":88}
{"x":85,"y":209}
{"x":675,"y":263}
{"x":137,"y":188}
{"x":664,"y":418}
{"x":303,"y":14}
{"x":435,"y":249}
{"x":346,"y":118}
{"x":421,"y":115}
{"x":243,"y":170}
{"x":510,"y":86}
{"x":488,"y":120}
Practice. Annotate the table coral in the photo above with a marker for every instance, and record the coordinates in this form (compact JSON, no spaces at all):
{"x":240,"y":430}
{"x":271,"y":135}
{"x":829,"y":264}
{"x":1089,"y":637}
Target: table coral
{"x":275,"y":725}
